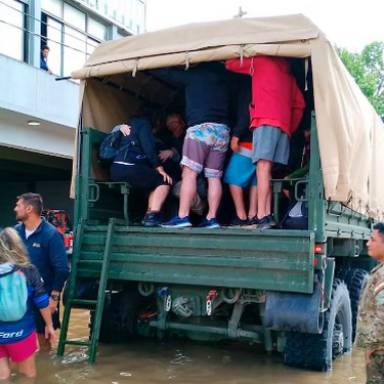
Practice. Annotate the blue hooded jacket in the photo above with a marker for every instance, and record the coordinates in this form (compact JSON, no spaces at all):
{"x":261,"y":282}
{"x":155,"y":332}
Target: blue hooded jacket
{"x":46,"y":251}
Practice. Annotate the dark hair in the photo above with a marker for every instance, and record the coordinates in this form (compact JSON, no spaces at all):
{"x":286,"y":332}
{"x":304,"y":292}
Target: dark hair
{"x":44,"y":47}
{"x":380,"y":228}
{"x":33,"y":199}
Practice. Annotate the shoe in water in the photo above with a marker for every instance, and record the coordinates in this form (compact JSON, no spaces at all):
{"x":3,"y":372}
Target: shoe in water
{"x":152,"y":219}
{"x":237,"y":222}
{"x":209,"y":223}
{"x":177,"y":222}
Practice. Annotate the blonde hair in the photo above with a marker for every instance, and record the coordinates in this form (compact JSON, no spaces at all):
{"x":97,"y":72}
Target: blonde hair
{"x":12,"y":249}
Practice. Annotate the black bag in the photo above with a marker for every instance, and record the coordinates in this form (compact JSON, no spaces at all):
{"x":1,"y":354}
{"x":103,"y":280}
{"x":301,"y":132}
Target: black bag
{"x":110,"y":146}
{"x":296,"y":216}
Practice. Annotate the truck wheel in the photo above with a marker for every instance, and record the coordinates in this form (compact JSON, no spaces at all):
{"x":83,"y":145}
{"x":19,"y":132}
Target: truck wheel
{"x":317,"y":351}
{"x":356,"y":279}
{"x":119,"y":317}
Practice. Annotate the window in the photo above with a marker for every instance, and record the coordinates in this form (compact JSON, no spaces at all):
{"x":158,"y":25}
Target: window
{"x":91,"y":45}
{"x":138,"y":16}
{"x":54,"y":7}
{"x":74,"y":17}
{"x":130,"y":13}
{"x":11,"y":28}
{"x":96,"y":29}
{"x":54,"y":34}
{"x":74,"y":50}
{"x":71,"y":35}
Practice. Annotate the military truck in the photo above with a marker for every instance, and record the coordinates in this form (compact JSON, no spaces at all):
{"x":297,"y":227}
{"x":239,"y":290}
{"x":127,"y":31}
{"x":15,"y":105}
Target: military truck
{"x":294,"y":291}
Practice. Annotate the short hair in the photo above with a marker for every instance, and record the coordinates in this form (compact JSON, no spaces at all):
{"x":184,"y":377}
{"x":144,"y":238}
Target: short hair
{"x":44,"y":47}
{"x":380,"y":228}
{"x":33,"y":199}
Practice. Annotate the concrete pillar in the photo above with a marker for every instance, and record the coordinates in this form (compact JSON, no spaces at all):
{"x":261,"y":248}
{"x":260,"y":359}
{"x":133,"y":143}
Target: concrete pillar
{"x":34,"y":27}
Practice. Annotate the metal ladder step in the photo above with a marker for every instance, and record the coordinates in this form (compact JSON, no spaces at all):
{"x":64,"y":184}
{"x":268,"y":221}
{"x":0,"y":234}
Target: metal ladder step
{"x":98,"y":304}
{"x":82,"y":302}
{"x":77,"y":342}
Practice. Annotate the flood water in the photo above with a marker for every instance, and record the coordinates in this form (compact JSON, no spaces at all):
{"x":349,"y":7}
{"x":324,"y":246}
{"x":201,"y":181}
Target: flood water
{"x":186,"y":362}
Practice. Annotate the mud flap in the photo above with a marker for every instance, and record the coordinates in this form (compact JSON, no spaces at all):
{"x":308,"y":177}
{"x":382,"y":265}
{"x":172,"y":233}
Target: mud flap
{"x":295,"y":312}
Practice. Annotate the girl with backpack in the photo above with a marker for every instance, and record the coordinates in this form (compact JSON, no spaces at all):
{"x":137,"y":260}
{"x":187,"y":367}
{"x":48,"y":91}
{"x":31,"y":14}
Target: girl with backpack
{"x":21,"y":288}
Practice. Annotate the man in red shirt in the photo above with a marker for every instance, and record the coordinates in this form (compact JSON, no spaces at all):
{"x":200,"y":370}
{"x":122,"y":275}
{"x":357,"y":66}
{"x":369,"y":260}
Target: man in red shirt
{"x":275,"y":113}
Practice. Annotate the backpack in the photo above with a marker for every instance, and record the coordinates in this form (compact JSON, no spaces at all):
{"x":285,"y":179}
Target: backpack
{"x":13,"y":295}
{"x":296,"y":216}
{"x":110,"y":146}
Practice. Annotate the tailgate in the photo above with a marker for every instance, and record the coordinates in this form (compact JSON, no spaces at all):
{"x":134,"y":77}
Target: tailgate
{"x":279,"y":260}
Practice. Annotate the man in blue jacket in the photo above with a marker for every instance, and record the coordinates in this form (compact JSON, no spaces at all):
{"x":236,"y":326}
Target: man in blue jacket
{"x":44,"y":59}
{"x":46,"y":251}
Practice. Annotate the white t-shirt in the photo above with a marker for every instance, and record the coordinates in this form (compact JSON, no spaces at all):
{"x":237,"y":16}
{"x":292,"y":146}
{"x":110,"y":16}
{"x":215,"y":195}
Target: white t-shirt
{"x":28,"y":232}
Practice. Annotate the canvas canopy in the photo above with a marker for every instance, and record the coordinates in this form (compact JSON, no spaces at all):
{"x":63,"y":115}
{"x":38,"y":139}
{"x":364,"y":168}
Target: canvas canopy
{"x":351,"y":134}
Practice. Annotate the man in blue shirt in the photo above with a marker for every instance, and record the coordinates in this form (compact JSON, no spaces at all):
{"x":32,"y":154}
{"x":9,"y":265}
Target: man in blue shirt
{"x":44,"y":59}
{"x":46,"y":251}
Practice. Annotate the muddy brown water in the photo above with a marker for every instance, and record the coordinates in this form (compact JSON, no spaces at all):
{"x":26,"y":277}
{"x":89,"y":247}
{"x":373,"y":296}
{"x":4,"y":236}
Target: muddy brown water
{"x":184,"y":362}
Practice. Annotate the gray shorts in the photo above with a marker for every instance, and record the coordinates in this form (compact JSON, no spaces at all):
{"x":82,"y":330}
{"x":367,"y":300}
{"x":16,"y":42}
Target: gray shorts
{"x":270,"y":143}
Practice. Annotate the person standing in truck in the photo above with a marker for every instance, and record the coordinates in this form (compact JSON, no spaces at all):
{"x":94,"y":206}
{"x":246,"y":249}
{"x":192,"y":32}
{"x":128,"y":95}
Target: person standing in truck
{"x":275,"y":113}
{"x":207,"y":138}
{"x":370,"y":329}
{"x":240,"y":172}
{"x":21,"y":291}
{"x":46,"y":251}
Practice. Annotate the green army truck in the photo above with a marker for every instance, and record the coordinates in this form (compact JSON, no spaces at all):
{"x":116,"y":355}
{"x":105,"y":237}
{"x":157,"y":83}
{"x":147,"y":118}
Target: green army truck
{"x":294,"y":291}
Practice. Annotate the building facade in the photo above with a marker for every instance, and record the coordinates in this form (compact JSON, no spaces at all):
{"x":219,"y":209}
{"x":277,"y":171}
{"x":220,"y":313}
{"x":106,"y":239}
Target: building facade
{"x":38,"y":113}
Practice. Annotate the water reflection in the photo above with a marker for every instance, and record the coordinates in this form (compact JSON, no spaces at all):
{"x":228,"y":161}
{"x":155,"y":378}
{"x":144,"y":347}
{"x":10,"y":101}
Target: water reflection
{"x":184,"y":362}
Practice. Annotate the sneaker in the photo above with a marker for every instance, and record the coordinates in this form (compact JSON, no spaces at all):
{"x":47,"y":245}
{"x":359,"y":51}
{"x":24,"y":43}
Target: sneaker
{"x":266,"y":222}
{"x":272,"y":221}
{"x":152,"y":219}
{"x":253,"y":221}
{"x":209,"y":223}
{"x":237,"y":222}
{"x":177,"y":222}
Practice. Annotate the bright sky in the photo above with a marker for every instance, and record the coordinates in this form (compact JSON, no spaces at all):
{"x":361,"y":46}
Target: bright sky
{"x":350,"y":24}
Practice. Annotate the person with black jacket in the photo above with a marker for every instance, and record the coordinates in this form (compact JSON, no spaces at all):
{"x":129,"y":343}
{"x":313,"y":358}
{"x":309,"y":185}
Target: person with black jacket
{"x":139,"y":165}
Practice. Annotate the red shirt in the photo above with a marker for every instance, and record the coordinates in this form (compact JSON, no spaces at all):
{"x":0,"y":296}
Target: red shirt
{"x":276,"y":98}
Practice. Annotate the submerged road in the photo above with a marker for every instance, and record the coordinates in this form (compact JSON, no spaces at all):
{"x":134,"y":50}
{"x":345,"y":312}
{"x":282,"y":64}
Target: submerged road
{"x":184,"y":362}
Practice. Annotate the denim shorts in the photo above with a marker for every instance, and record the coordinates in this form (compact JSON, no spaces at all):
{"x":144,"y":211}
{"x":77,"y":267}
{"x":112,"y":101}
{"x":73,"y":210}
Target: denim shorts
{"x":240,"y":170}
{"x":270,"y":143}
{"x":205,"y":147}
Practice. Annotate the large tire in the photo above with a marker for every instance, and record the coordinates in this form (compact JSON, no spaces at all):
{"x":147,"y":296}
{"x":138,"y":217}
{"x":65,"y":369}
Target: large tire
{"x":120,"y":313}
{"x":316,"y":352}
{"x":355,"y":279}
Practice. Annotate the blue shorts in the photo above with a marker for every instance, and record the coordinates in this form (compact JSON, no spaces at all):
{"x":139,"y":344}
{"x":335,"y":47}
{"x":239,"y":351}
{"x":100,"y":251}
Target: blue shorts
{"x":240,"y":171}
{"x":270,"y":143}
